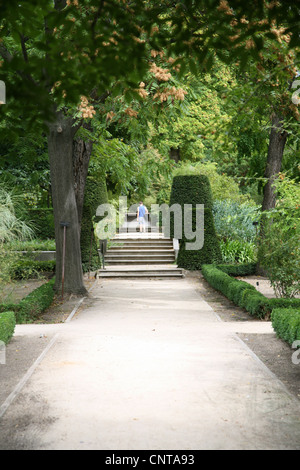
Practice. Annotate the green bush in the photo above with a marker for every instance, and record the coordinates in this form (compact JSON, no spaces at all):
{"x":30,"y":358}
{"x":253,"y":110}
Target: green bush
{"x":25,"y":268}
{"x":279,"y":249}
{"x":32,"y":245}
{"x":35,"y":303}
{"x":243,"y":294}
{"x":193,"y":190}
{"x":209,"y":253}
{"x":234,"y":221}
{"x":43,"y":222}
{"x":29,"y":308}
{"x":237,"y":251}
{"x":95,"y":195}
{"x":7,"y":326}
{"x":286,"y":323}
{"x":243,"y":269}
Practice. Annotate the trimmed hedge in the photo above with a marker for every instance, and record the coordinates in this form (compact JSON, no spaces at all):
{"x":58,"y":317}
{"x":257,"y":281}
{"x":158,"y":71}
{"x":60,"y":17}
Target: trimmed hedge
{"x":95,"y":195}
{"x":243,"y":294}
{"x":29,"y":269}
{"x":7,"y":326}
{"x":286,"y":324}
{"x":35,"y":303}
{"x":193,"y":190}
{"x":244,"y":269}
{"x":209,"y":253}
{"x":29,"y":308}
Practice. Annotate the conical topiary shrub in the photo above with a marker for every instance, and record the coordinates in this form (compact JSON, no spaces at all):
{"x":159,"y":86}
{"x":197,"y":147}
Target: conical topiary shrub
{"x":195,"y":189}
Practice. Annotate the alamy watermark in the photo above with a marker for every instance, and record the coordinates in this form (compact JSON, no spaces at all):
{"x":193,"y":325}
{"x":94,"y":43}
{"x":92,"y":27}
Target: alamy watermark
{"x":183,"y":222}
{"x":2,"y":92}
{"x":295,"y":95}
{"x":296,"y":354}
{"x":2,"y":353}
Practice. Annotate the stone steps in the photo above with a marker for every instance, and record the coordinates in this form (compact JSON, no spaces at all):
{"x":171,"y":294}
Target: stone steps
{"x":140,"y":257}
{"x":134,"y":272}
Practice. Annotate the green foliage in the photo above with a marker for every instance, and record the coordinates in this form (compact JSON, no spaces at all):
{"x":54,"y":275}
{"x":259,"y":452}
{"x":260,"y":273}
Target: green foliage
{"x":11,"y":225}
{"x":243,"y":269}
{"x":234,"y":221}
{"x":209,"y":253}
{"x":279,"y":254}
{"x":36,"y":244}
{"x":195,"y":189}
{"x":243,"y":294}
{"x":129,"y":169}
{"x":35,"y":303}
{"x":95,"y":195}
{"x":25,"y":268}
{"x":286,"y":324}
{"x":237,"y":251}
{"x":82,"y":50}
{"x":191,"y":189}
{"x":239,"y":292}
{"x":198,"y":131}
{"x":7,"y":326}
{"x":43,"y":221}
{"x":223,"y":187}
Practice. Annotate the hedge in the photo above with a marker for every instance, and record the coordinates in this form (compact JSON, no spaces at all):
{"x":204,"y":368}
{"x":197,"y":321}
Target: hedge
{"x":286,"y":324}
{"x":29,"y":269}
{"x":29,"y":308}
{"x":7,"y":326}
{"x":35,"y":303}
{"x":243,"y":269}
{"x":193,"y":190}
{"x":95,"y":195}
{"x":243,"y":294}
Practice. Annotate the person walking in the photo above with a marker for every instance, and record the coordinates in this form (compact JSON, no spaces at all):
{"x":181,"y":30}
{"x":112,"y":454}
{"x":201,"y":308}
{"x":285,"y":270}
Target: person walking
{"x":141,"y":212}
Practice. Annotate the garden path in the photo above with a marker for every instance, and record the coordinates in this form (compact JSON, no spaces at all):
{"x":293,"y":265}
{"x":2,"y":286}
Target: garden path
{"x":147,"y":365}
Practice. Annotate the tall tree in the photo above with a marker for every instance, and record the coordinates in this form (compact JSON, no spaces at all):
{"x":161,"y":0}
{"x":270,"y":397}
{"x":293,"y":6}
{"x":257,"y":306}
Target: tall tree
{"x":56,"y":51}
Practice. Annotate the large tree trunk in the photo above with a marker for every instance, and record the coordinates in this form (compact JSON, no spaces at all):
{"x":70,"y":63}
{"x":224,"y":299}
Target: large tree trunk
{"x":277,"y":141}
{"x":82,"y":151}
{"x":278,"y":137}
{"x":60,"y":147}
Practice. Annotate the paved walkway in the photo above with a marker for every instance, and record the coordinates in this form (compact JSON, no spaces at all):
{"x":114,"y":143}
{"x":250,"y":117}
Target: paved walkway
{"x":145,"y":365}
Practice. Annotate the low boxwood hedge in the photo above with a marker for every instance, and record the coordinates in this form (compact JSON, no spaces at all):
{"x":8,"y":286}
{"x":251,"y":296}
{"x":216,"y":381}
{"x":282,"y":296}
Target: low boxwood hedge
{"x":35,"y":303}
{"x":286,"y":323}
{"x":243,"y":269}
{"x":29,"y":308}
{"x":243,"y":294}
{"x":7,"y":326}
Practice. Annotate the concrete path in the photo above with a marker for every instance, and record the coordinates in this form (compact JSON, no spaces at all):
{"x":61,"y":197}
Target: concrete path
{"x":146,"y":365}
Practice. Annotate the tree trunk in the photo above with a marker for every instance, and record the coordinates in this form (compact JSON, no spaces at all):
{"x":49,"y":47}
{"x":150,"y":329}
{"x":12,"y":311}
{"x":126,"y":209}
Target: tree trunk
{"x":60,"y":147}
{"x":278,"y":137}
{"x":82,"y":151}
{"x":277,"y":141}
